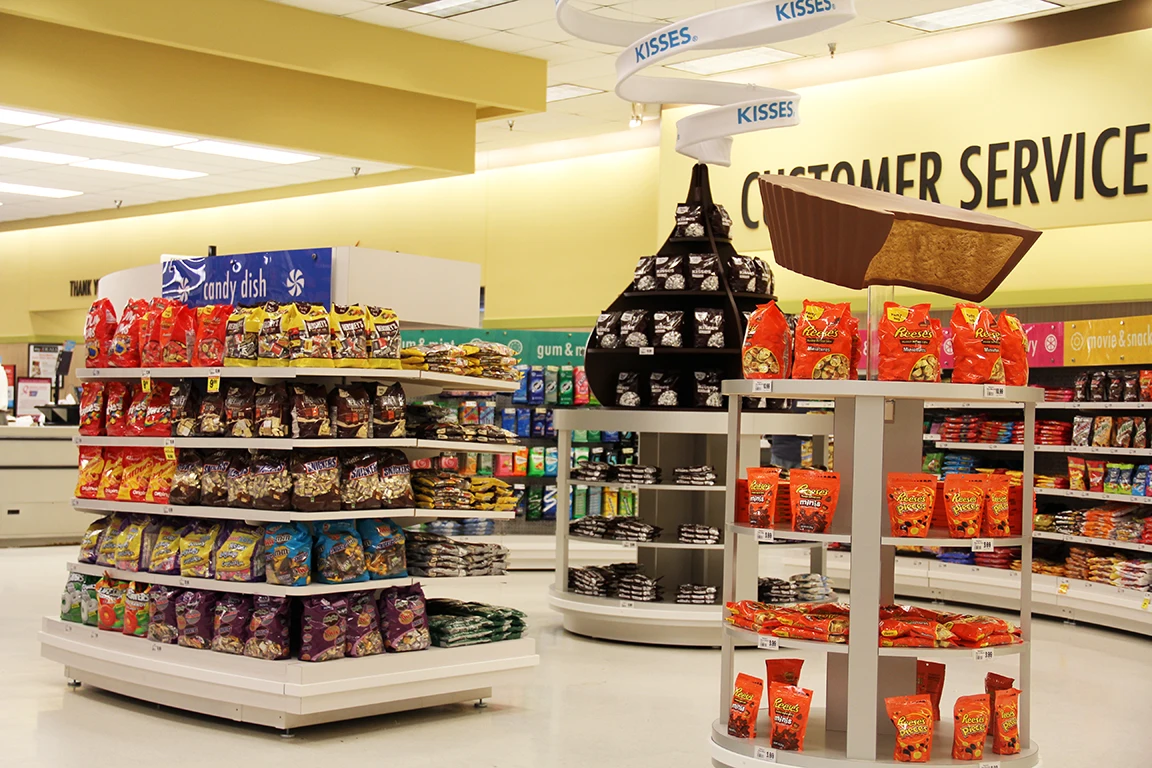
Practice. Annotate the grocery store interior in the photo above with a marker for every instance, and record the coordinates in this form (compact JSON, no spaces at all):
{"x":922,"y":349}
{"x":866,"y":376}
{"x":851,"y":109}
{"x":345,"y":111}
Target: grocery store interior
{"x":538,"y":382}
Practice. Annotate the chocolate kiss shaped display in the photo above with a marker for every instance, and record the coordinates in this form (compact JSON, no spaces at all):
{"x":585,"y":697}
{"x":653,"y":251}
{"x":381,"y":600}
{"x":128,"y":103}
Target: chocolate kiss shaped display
{"x":858,"y":237}
{"x":683,"y":315}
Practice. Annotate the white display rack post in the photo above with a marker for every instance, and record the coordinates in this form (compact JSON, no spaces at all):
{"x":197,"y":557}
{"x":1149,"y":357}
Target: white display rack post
{"x":878,"y":430}
{"x":668,"y":439}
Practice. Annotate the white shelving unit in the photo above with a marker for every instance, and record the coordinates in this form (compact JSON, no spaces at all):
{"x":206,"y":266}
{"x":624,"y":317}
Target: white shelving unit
{"x":877,"y":426}
{"x":667,"y":439}
{"x":290,"y":693}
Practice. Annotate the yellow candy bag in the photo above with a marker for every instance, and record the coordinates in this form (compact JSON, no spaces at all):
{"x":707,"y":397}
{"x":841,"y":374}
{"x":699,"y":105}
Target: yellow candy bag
{"x":197,"y":549}
{"x":240,"y":334}
{"x":349,"y":336}
{"x":309,"y":336}
{"x":241,"y":556}
{"x":383,"y":338}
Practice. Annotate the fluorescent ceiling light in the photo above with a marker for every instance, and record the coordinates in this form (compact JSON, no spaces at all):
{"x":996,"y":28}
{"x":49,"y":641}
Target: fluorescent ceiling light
{"x":730,"y":62}
{"x":23,"y":189}
{"x":36,"y":156}
{"x":444,"y":9}
{"x":15,"y":117}
{"x":966,"y":15}
{"x":246,"y":152}
{"x":138,"y":169}
{"x":568,"y":91}
{"x":119,"y":133}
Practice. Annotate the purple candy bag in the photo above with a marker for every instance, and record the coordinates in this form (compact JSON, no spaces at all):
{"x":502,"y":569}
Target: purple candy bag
{"x":194,"y":610}
{"x":162,"y":613}
{"x":230,"y":623}
{"x":323,"y":628}
{"x":364,"y":638}
{"x":404,"y":619}
{"x":268,"y":629}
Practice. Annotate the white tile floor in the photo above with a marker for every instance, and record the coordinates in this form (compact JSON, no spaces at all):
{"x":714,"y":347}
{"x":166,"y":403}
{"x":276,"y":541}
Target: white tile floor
{"x":591,"y":703}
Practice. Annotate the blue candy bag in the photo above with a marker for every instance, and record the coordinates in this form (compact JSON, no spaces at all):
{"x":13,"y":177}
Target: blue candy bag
{"x":288,"y":554}
{"x":339,"y":553}
{"x":383,"y":548}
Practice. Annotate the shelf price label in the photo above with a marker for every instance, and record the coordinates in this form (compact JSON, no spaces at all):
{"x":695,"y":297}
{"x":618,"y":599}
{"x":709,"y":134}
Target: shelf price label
{"x":184,"y":582}
{"x":765,"y":534}
{"x":761,"y":386}
{"x":982,"y":545}
{"x":768,"y":643}
{"x":146,"y":380}
{"x":157,"y":647}
{"x":629,"y":544}
{"x":990,"y":764}
{"x":647,"y":351}
{"x":213,"y":379}
{"x":1145,"y":603}
{"x":93,"y":634}
{"x":634,"y":487}
{"x":1063,"y":585}
{"x":75,"y":502}
{"x":75,"y":439}
{"x":628,"y":604}
{"x":67,"y":628}
{"x":766,"y":754}
{"x":995,"y":390}
{"x":166,"y":510}
{"x":983,"y":654}
{"x":170,"y":448}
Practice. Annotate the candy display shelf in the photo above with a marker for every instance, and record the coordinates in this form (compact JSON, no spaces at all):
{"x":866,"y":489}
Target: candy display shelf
{"x":1135,"y":546}
{"x":1080,"y":405}
{"x":289,"y":443}
{"x":878,"y":427}
{"x":1016,"y":448}
{"x":767,"y":642}
{"x":668,"y":439}
{"x":425,"y":378}
{"x":1093,"y":495}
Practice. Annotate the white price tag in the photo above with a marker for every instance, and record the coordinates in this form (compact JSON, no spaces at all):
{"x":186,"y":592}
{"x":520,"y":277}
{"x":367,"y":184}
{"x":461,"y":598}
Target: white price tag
{"x":75,"y":439}
{"x":762,"y":385}
{"x":995,"y":390}
{"x":71,"y":567}
{"x":629,"y":544}
{"x":215,"y":371}
{"x":93,"y":634}
{"x":634,"y":487}
{"x":95,"y":373}
{"x":768,"y":643}
{"x":766,"y":753}
{"x":75,"y":502}
{"x":157,"y":647}
{"x":627,"y":604}
{"x":990,"y":764}
{"x":647,"y":351}
{"x":166,"y":510}
{"x":765,"y":534}
{"x":184,"y":582}
{"x":982,"y":545}
{"x":983,"y":654}
{"x":67,"y":628}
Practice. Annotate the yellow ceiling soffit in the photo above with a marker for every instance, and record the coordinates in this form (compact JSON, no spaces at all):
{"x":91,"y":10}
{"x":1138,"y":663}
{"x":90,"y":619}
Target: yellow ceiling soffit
{"x":292,"y":38}
{"x":53,"y":68}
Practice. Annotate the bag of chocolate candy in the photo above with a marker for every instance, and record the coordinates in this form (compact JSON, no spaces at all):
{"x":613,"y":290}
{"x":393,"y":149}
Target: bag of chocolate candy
{"x":635,"y":328}
{"x":669,"y":328}
{"x":628,"y":389}
{"x":670,"y":273}
{"x":709,"y":330}
{"x":704,"y":272}
{"x":607,"y":333}
{"x":663,"y":386}
{"x":644,"y":276}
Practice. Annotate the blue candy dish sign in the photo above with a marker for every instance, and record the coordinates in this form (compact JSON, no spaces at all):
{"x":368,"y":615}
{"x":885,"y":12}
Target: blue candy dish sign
{"x":249,"y":278}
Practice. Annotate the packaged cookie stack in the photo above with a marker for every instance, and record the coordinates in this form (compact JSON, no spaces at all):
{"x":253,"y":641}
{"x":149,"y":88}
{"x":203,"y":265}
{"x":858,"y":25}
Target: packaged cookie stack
{"x":437,"y":556}
{"x":640,"y":588}
{"x":453,"y":623}
{"x":441,"y":489}
{"x":811,"y":587}
{"x":701,"y":475}
{"x":599,"y":581}
{"x":637,"y":474}
{"x":770,"y":590}
{"x":697,"y":534}
{"x":696,"y":594}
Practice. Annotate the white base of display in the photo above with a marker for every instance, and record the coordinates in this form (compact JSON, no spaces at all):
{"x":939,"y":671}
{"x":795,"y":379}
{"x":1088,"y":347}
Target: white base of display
{"x":1090,"y":602}
{"x":282,"y":694}
{"x":825,"y":749}
{"x":697,"y":626}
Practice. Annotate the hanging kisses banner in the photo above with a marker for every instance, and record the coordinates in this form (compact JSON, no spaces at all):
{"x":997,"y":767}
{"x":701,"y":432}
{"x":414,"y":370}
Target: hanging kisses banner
{"x":244,"y":279}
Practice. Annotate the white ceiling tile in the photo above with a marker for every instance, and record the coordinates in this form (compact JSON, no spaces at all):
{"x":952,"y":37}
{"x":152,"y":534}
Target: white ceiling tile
{"x":511,"y":15}
{"x":849,"y":39}
{"x":558,"y":53}
{"x":885,"y":10}
{"x":450,"y":29}
{"x":548,"y":31}
{"x":384,"y":16}
{"x":332,"y":7}
{"x":507,"y":41}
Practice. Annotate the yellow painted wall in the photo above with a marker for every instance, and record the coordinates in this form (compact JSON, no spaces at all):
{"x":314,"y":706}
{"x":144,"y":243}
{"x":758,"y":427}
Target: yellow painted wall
{"x":557,"y":240}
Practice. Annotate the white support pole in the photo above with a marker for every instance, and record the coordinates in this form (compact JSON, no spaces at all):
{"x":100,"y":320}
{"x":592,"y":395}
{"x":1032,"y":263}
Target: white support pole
{"x":1026,"y":520}
{"x":731,"y":541}
{"x":563,"y":472}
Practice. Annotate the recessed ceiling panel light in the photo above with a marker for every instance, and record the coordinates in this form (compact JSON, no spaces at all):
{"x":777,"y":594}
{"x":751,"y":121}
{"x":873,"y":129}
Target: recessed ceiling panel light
{"x":568,"y":91}
{"x":119,"y":133}
{"x":966,"y":15}
{"x":15,"y":117}
{"x":730,"y":62}
{"x":24,"y":189}
{"x":443,"y":9}
{"x":138,"y":169}
{"x":36,"y":156}
{"x":246,"y":152}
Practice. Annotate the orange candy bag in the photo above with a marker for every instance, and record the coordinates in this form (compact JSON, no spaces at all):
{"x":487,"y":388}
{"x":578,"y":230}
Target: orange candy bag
{"x":763,"y":486}
{"x":786,"y":671}
{"x":124,"y":349}
{"x":822,"y":347}
{"x":971,"y":716}
{"x":789,"y":707}
{"x":911,"y":499}
{"x":909,"y":344}
{"x":813,"y":495}
{"x":976,"y":343}
{"x":99,"y":328}
{"x":1006,"y":722}
{"x":1013,"y":350}
{"x":912,"y":716}
{"x":930,"y":680}
{"x":964,"y":505}
{"x":767,"y":349}
{"x":745,"y":706}
{"x":996,"y":506}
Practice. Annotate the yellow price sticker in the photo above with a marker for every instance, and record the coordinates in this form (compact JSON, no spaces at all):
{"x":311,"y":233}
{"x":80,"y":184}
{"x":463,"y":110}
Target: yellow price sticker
{"x":214,"y":384}
{"x":146,"y":384}
{"x":169,"y":453}
{"x":1063,"y":588}
{"x":1144,"y":605}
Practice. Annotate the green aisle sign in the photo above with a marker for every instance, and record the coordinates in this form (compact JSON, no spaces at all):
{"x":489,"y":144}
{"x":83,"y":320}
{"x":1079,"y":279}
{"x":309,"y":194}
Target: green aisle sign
{"x":533,"y":347}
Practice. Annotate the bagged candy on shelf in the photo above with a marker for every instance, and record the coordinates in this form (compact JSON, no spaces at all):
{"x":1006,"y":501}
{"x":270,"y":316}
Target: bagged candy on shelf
{"x":1102,"y":432}
{"x":157,"y":412}
{"x":185,"y":409}
{"x":813,"y":495}
{"x":241,"y":556}
{"x":1096,"y":468}
{"x":395,"y":480}
{"x":136,"y":411}
{"x":118,"y":398}
{"x":763,"y":493}
{"x":89,"y":604}
{"x":765,"y":280}
{"x":1139,"y":432}
{"x":822,"y":344}
{"x":124,"y":349}
{"x":704,"y":272}
{"x":706,"y":390}
{"x":745,"y":706}
{"x":349,"y":326}
{"x":996,"y":507}
{"x":1013,"y":350}
{"x":214,"y":479}
{"x":669,"y":327}
{"x":195,"y":611}
{"x":271,"y":410}
{"x":310,"y":416}
{"x":1122,"y":437}
{"x":363,"y":638}
{"x":165,"y":556}
{"x":389,"y":412}
{"x":323,"y":628}
{"x":785,"y":671}
{"x":136,"y":610}
{"x":628,"y":389}
{"x":90,"y":543}
{"x":911,"y":500}
{"x":132,"y":553}
{"x":742,"y":274}
{"x":269,"y":628}
{"x":110,"y":599}
{"x":91,"y":472}
{"x":106,"y":551}
{"x":239,"y":481}
{"x":404,"y":619}
{"x":767,"y":351}
{"x":211,"y":335}
{"x":99,"y":329}
{"x":150,"y":346}
{"x":71,"y":598}
{"x":909,"y":344}
{"x":240,"y":409}
{"x":310,"y":336}
{"x":1081,"y":430}
{"x":360,"y":486}
{"x":670,"y":273}
{"x":230,"y":617}
{"x":976,"y":343}
{"x":288,"y":554}
{"x":177,"y":335}
{"x":930,"y":681}
{"x":273,"y":342}
{"x":210,"y":416}
{"x":109,"y":488}
{"x":271,"y":480}
{"x":384,"y":553}
{"x":185,"y":489}
{"x":607,"y":332}
{"x":964,"y":505}
{"x":644,"y":274}
{"x":789,"y":707}
{"x":1077,"y":470}
{"x":198,"y":549}
{"x":912,"y":716}
{"x":350,"y":411}
{"x":635,"y":327}
{"x":241,"y":332}
{"x":664,"y":386}
{"x":1098,"y":387}
{"x":315,"y":481}
{"x":383,"y":338}
{"x":162,"y":614}
{"x":971,"y":717}
{"x":339,"y":553}
{"x":1006,"y":722}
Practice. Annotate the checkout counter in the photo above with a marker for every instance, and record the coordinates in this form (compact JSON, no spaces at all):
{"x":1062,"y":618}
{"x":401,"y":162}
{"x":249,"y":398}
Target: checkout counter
{"x":37,"y":482}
